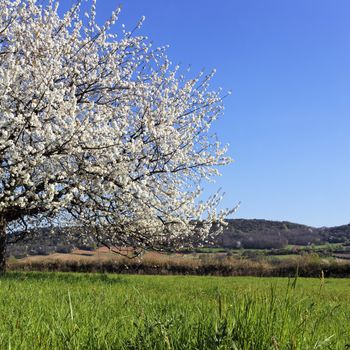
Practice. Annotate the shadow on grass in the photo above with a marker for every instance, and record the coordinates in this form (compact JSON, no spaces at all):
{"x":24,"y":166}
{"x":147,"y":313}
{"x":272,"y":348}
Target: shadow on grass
{"x":65,"y":277}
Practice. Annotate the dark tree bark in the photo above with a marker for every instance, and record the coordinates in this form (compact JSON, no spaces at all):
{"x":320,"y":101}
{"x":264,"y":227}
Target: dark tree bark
{"x":2,"y":244}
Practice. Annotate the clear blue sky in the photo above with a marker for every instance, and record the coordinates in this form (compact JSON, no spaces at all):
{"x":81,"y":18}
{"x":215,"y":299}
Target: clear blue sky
{"x":288,"y":118}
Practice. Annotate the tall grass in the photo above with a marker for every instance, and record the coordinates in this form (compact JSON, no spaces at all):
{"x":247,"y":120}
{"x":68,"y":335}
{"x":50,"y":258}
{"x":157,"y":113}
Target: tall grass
{"x":309,"y":265}
{"x":76,"y":311}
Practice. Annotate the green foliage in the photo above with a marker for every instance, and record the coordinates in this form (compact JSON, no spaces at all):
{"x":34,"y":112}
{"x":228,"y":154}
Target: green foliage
{"x":100,"y":311}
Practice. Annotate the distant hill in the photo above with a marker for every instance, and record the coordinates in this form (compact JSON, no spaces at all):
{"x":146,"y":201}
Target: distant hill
{"x":239,"y":233}
{"x":267,"y":234}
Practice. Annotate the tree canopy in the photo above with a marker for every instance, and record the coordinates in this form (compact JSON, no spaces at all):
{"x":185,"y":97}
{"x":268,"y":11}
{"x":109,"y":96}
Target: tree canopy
{"x":99,"y":128}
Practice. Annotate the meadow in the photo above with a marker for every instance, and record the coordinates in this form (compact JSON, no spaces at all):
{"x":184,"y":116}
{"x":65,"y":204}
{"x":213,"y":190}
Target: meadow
{"x":104,"y":311}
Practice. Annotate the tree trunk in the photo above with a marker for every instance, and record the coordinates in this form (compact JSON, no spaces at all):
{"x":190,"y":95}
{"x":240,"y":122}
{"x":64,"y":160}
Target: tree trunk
{"x":2,"y":245}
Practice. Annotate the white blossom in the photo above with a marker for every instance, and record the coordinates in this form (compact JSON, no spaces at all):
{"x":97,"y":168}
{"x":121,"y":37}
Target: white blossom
{"x":101,"y":130}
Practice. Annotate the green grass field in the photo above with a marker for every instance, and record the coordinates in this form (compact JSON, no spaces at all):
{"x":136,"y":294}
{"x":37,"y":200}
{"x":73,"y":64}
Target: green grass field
{"x":77,"y":311}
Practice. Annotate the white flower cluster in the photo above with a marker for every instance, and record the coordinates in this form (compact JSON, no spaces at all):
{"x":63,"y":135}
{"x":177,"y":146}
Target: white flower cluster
{"x":103,"y":128}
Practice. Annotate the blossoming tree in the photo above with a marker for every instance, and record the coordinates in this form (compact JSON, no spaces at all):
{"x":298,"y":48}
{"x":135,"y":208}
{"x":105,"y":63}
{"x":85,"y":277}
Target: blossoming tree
{"x":99,"y":129}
